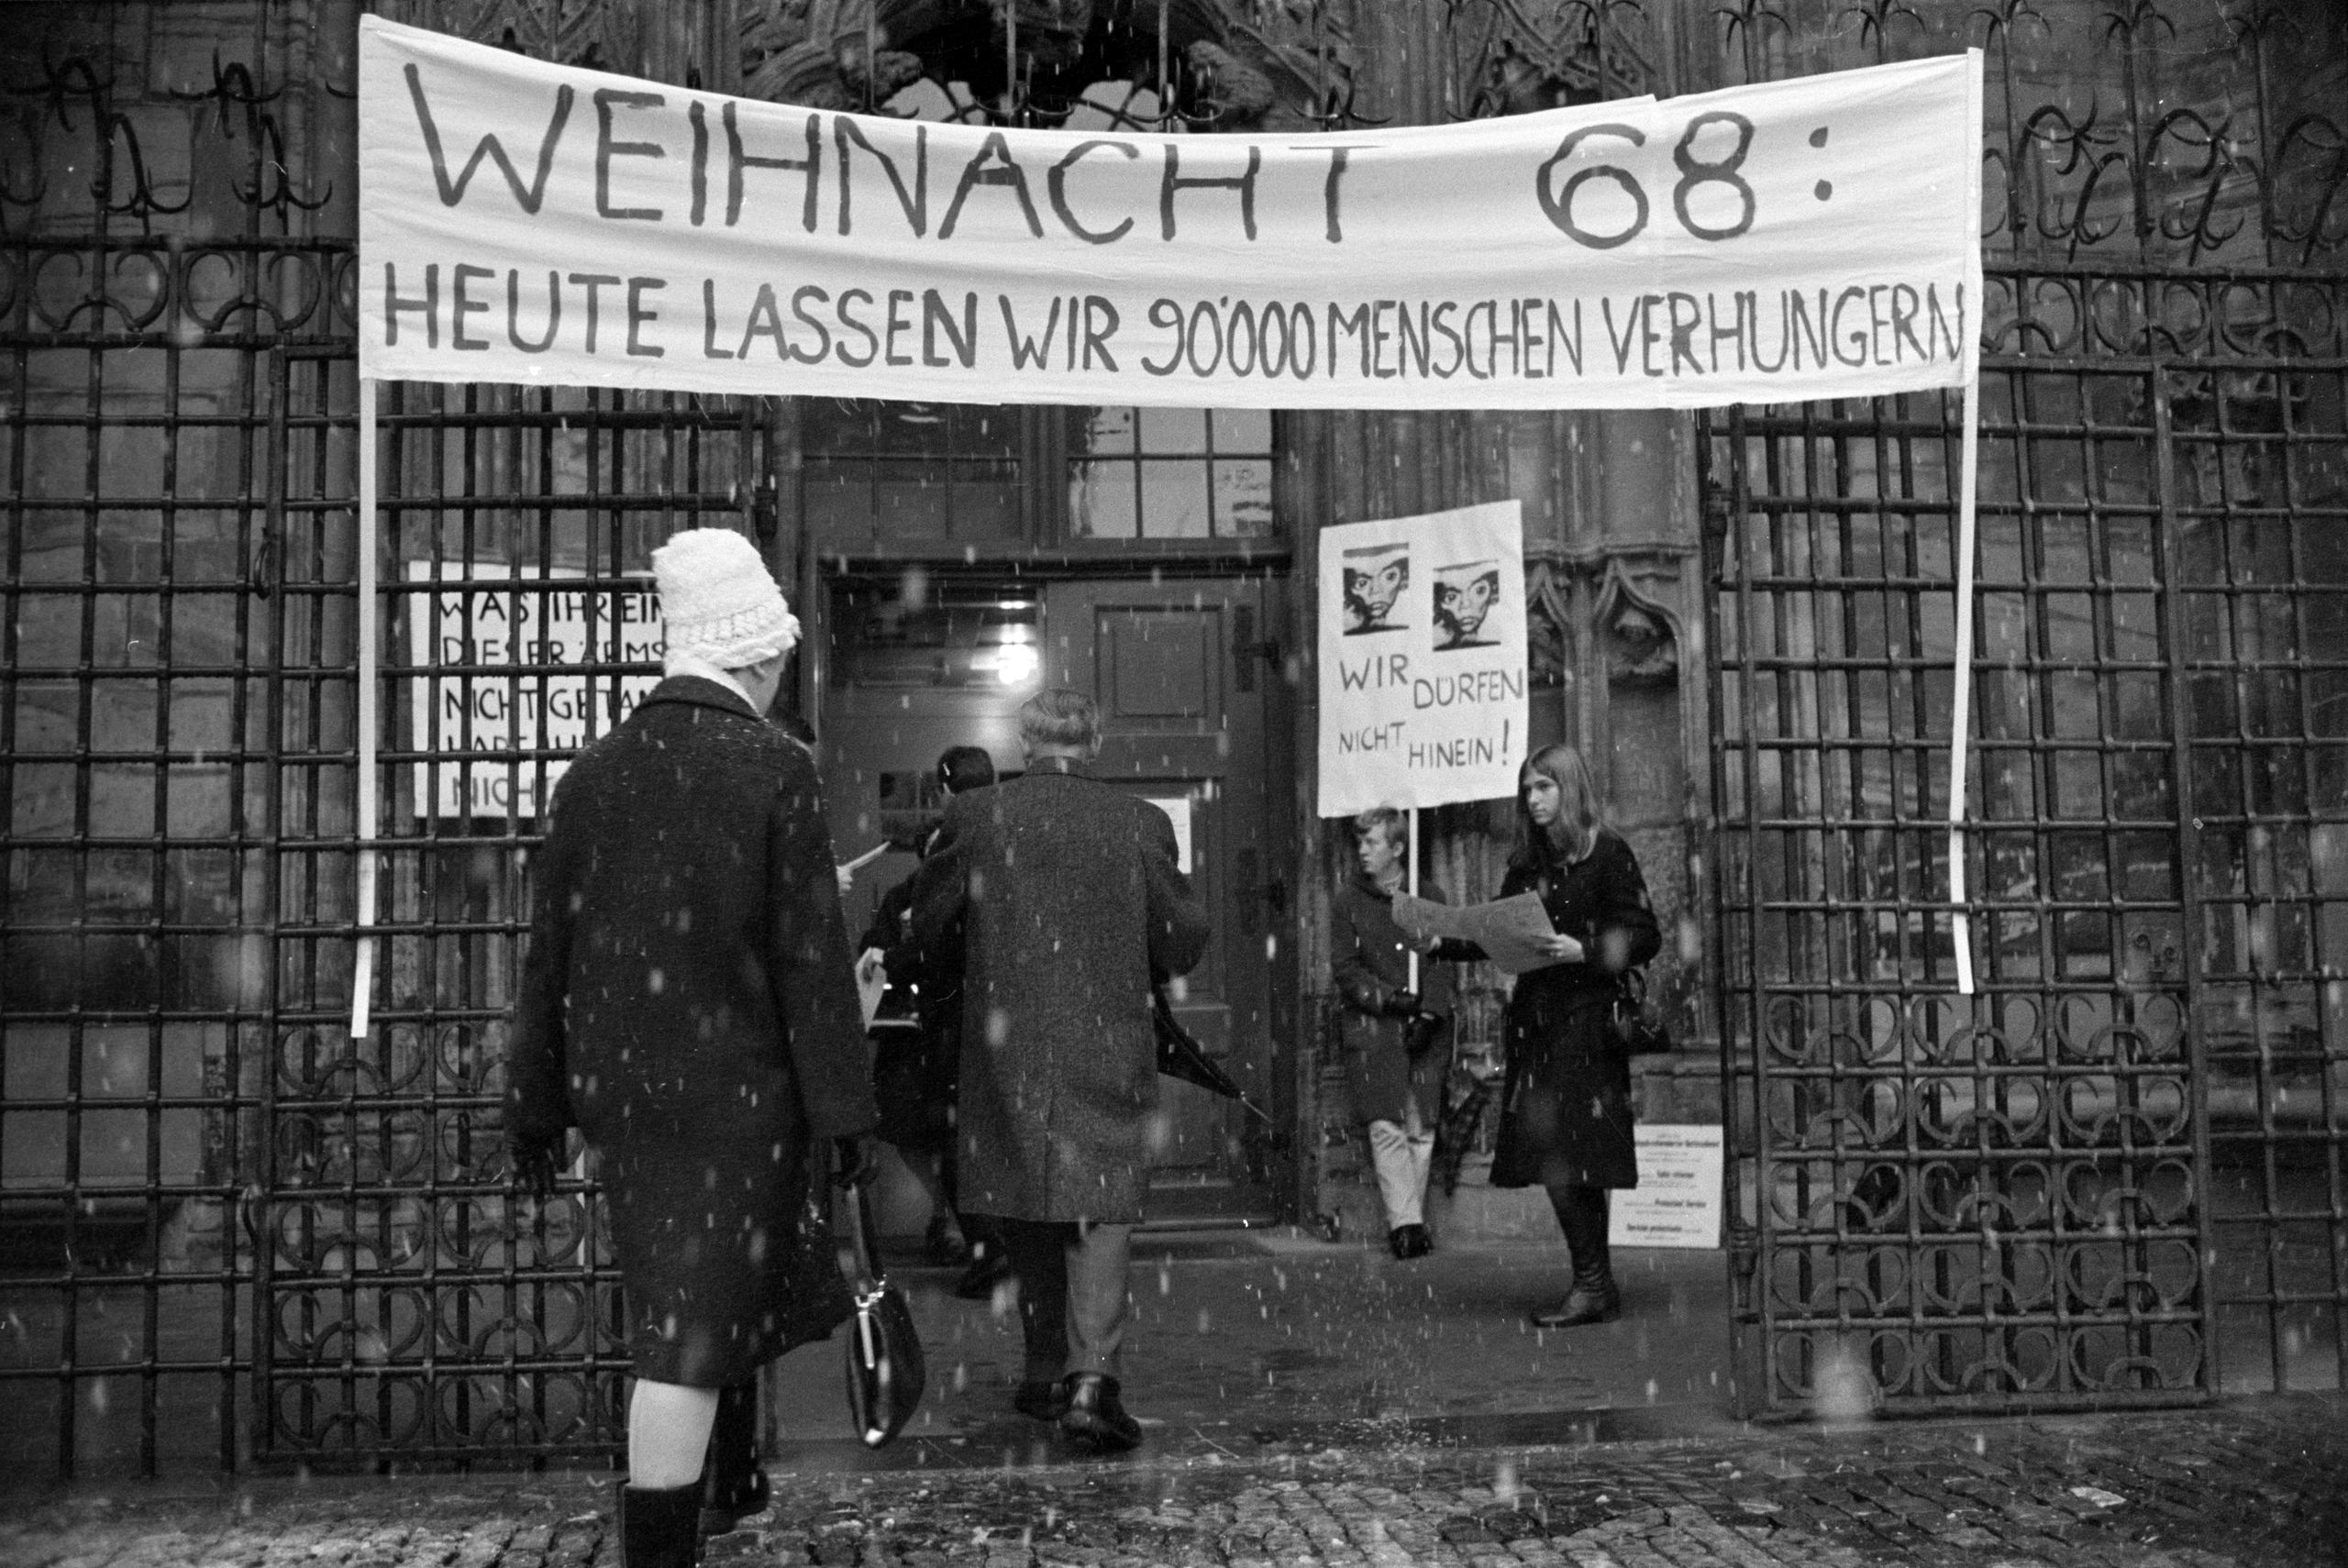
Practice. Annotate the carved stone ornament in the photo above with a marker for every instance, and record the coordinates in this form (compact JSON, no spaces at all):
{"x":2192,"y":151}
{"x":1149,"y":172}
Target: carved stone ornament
{"x":1640,"y":636}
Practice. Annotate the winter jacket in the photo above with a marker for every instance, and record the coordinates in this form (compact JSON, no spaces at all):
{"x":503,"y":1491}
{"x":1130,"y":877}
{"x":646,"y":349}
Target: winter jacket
{"x":687,"y":1000}
{"x":1565,"y":1099}
{"x":1370,"y":962}
{"x":1068,"y":896}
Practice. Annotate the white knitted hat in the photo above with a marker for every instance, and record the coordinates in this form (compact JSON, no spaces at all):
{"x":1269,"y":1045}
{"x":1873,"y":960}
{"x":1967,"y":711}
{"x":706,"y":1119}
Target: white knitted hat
{"x":718,"y":600}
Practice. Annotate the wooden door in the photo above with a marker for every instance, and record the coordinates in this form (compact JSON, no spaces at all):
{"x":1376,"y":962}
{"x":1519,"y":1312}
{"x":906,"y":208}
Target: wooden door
{"x":1178,"y":671}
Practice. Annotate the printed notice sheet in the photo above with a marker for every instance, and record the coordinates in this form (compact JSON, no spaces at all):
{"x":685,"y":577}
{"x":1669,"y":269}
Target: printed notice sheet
{"x":1677,"y":1201}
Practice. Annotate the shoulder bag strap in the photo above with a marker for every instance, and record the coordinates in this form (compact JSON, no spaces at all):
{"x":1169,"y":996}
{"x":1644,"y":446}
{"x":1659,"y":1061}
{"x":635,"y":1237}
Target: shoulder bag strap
{"x":859,"y":1230}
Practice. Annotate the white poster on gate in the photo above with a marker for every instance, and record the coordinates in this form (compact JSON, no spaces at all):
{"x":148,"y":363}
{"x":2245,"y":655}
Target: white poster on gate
{"x":531,"y":221}
{"x":1422,"y":659}
{"x":1677,"y":1201}
{"x":513,"y":665}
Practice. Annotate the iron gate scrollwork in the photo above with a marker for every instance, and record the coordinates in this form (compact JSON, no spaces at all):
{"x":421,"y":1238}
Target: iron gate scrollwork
{"x":2116,"y":1174}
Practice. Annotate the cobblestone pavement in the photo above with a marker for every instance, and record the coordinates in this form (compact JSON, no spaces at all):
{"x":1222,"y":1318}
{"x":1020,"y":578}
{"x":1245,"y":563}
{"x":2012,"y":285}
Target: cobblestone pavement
{"x":2259,"y":1484}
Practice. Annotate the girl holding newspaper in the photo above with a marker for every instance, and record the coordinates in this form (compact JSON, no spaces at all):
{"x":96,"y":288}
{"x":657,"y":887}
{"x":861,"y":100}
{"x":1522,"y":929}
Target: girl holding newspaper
{"x":1566,"y":1101}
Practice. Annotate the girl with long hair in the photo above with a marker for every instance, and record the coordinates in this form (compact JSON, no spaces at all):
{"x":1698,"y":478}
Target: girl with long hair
{"x":1566,"y":1098}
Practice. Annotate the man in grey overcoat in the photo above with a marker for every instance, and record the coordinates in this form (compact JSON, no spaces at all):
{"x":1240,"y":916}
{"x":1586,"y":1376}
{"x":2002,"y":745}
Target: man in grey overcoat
{"x":687,"y":1002}
{"x":1070,"y":901}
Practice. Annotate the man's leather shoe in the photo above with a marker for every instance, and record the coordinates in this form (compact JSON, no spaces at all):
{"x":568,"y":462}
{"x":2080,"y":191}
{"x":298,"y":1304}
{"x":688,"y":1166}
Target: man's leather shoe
{"x":1095,"y":1419}
{"x":1043,"y":1398}
{"x":1410,"y":1241}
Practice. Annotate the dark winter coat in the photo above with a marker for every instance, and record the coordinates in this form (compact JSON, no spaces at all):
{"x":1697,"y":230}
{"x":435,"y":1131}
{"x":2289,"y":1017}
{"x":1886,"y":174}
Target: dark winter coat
{"x":1068,"y":896}
{"x":917,"y":1037}
{"x":1566,"y":1101}
{"x":1370,"y":962}
{"x":689,"y":1003}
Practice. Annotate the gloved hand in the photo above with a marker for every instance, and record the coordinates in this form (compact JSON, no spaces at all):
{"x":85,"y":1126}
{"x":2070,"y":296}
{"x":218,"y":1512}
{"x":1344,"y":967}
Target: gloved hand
{"x":535,"y":1164}
{"x":856,"y":1160}
{"x":1422,"y":1030}
{"x":1402,"y":1004}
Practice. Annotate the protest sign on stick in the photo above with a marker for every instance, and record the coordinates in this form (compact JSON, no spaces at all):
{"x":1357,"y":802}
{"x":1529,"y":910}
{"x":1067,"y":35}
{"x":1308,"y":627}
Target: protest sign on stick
{"x":1422,"y":659}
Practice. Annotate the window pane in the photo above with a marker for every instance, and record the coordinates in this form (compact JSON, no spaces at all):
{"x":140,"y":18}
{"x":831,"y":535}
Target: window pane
{"x":986,"y":502}
{"x":905,"y":473}
{"x":1101,"y":502}
{"x":1166,"y":431}
{"x":1242,"y":432}
{"x":1174,"y":501}
{"x":910,"y":502}
{"x":1243,"y":499}
{"x":838,"y":502}
{"x":1107,"y":432}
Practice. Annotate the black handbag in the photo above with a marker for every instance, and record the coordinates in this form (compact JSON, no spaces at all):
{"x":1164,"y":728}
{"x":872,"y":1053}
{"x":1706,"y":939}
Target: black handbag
{"x":885,"y":1375}
{"x":1635,"y":1017}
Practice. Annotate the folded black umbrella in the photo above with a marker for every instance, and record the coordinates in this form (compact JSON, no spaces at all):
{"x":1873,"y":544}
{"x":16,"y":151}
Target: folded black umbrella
{"x":1455,"y":1132}
{"x":1180,"y":1057}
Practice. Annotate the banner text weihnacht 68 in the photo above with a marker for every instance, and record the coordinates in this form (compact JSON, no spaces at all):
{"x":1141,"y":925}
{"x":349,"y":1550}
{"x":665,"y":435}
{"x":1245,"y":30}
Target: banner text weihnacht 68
{"x":534,"y":223}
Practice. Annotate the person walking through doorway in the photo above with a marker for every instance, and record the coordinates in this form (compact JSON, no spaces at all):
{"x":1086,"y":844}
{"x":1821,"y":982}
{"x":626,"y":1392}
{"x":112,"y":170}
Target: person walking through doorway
{"x":1396,"y":1039}
{"x":915,"y":1072}
{"x":689,"y":1003}
{"x":1069,"y":899}
{"x":1565,"y":1096}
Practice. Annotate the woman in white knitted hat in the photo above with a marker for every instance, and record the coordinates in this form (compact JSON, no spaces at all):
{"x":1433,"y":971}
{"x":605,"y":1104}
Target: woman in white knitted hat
{"x":687,"y":1002}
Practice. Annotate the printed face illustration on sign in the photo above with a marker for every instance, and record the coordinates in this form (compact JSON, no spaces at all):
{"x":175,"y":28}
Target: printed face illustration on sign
{"x":1375,"y":576}
{"x":1465,"y":595}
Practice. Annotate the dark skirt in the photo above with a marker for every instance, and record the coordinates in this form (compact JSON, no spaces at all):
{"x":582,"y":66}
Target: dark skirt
{"x":1566,"y":1101}
{"x":719,"y":1277}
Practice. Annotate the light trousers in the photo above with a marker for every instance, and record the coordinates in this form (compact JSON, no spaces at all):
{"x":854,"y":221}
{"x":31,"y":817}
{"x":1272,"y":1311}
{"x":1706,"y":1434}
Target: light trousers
{"x":1402,"y":1153}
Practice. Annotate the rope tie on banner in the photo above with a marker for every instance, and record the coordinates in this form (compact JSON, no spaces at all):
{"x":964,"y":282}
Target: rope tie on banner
{"x":1960,"y":731}
{"x":363,"y":823}
{"x":1961,"y":703}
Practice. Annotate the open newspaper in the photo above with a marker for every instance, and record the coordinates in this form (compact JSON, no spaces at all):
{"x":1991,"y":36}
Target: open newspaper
{"x":1512,"y":932}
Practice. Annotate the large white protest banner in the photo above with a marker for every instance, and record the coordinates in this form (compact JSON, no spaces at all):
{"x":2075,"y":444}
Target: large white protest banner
{"x":1422,"y":659}
{"x":467,"y":639}
{"x":529,"y":222}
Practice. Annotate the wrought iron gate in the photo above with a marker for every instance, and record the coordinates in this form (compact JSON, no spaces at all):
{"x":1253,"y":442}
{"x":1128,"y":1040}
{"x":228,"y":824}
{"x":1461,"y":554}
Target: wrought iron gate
{"x":414,"y":1304}
{"x":2119,"y":1172}
{"x":228,"y":1231}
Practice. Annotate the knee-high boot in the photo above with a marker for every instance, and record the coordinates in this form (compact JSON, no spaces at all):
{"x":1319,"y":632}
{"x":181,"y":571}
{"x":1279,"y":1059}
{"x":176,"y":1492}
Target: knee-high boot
{"x":1581,"y":1214}
{"x":734,"y":1481}
{"x":659,"y":1526}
